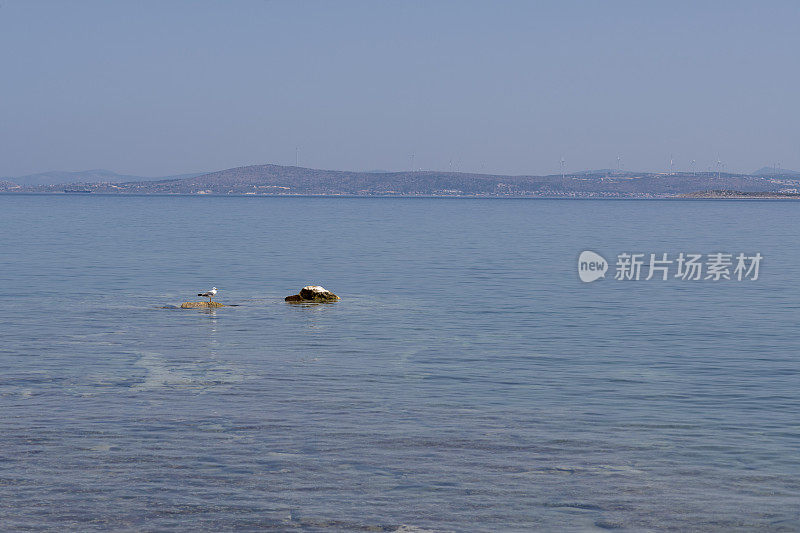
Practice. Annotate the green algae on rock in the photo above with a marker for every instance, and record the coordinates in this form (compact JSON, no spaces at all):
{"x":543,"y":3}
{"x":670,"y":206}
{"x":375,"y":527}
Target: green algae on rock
{"x":312,"y":293}
{"x":200,"y":305}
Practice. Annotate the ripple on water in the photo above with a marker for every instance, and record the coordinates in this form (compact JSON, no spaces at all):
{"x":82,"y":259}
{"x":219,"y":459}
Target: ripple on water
{"x":200,"y":375}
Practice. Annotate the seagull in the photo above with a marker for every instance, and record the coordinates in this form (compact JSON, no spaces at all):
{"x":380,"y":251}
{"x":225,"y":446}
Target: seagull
{"x":210,"y":294}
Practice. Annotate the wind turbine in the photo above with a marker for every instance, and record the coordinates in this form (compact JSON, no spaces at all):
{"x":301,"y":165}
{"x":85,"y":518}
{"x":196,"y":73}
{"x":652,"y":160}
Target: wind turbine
{"x":412,"y":162}
{"x":619,"y":158}
{"x":297,"y":156}
{"x":694,"y":173}
{"x":563,"y":165}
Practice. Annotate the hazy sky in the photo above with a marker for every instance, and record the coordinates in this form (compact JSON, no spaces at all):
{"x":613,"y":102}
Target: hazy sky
{"x":165,"y":87}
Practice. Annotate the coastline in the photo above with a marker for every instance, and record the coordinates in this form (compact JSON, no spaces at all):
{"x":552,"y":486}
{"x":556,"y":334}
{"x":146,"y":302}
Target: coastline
{"x":690,"y":196}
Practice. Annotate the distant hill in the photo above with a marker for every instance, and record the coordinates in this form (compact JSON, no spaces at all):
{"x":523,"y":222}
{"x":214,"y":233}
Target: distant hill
{"x":276,"y":180}
{"x":604,"y":172}
{"x":774,"y":171}
{"x":59,"y":177}
{"x":282,"y":180}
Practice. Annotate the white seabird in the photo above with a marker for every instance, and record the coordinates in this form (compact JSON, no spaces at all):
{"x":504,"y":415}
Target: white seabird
{"x":210,"y":294}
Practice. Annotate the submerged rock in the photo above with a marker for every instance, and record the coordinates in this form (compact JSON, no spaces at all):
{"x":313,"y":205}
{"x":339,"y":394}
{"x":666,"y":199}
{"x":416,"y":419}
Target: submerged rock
{"x":313,"y":293}
{"x":200,"y":305}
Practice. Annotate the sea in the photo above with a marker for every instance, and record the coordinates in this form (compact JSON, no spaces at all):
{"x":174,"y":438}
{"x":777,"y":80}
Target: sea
{"x":467,"y":380}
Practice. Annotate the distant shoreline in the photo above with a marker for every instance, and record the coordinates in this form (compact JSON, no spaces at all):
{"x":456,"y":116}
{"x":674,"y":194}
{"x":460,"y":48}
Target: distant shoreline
{"x":741,"y":195}
{"x":277,"y":180}
{"x":682,"y":197}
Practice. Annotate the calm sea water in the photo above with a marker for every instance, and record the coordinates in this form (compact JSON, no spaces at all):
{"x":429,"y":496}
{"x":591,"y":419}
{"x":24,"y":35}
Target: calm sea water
{"x":466,"y":381}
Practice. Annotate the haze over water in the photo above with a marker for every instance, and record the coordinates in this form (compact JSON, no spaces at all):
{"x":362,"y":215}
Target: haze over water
{"x":467,"y":380}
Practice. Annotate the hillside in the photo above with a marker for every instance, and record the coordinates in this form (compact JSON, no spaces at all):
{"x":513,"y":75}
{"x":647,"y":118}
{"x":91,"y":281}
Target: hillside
{"x":776,"y":171}
{"x":280,"y":180}
{"x":61,"y":177}
{"x":287,"y":180}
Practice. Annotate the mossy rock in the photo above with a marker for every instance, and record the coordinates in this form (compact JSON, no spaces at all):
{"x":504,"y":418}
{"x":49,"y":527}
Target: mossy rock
{"x":311,"y":294}
{"x":200,"y":305}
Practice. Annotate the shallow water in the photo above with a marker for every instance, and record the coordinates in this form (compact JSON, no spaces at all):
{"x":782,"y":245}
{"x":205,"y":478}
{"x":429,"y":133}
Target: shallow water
{"x":466,"y":381}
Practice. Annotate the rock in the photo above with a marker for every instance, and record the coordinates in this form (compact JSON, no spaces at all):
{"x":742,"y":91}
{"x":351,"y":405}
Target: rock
{"x":313,"y":293}
{"x":200,"y":305}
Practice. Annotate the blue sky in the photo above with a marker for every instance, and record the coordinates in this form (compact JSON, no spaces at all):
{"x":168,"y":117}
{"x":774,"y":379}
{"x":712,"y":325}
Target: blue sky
{"x":165,"y":87}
